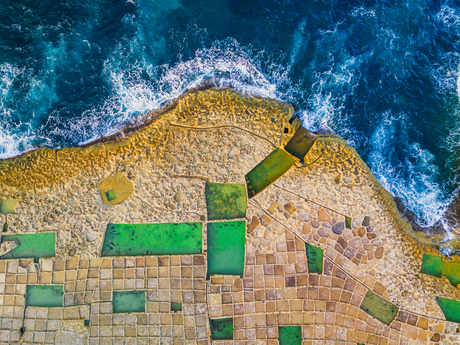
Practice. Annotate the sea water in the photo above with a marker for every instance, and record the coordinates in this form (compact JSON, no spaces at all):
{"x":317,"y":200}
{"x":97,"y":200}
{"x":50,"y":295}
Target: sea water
{"x":384,"y":75}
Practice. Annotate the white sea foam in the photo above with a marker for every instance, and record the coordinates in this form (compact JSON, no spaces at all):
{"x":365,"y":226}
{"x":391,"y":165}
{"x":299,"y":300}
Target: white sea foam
{"x":407,"y":170}
{"x":11,"y":144}
{"x":142,"y":86}
{"x":134,"y":95}
{"x":449,"y":17}
{"x":361,"y":11}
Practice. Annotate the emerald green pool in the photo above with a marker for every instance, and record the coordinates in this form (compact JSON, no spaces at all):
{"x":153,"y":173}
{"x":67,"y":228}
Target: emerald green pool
{"x":268,"y":171}
{"x":129,"y":301}
{"x":153,"y":239}
{"x":226,"y":247}
{"x":225,"y":200}
{"x":221,"y":329}
{"x":314,"y":258}
{"x":379,"y":307}
{"x":41,"y":245}
{"x":290,"y":335}
{"x":44,"y":295}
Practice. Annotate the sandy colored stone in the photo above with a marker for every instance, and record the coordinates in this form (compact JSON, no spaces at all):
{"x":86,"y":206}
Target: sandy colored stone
{"x":168,"y":165}
{"x":69,"y":338}
{"x":338,"y":228}
{"x":361,"y":231}
{"x":272,"y":208}
{"x":290,"y":208}
{"x":253,"y":224}
{"x":324,"y":216}
{"x":324,"y":232}
{"x":265,"y":220}
{"x":439,"y":328}
{"x":8,"y":246}
{"x":379,"y":252}
{"x":118,"y":184}
{"x":436,"y":337}
{"x":306,"y":229}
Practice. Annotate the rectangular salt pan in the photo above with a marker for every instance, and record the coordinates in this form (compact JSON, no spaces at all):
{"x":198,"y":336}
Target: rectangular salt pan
{"x":153,"y":239}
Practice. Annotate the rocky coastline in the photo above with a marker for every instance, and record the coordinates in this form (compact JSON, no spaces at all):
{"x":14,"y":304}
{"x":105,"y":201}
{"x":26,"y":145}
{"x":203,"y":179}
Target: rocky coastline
{"x":159,"y":172}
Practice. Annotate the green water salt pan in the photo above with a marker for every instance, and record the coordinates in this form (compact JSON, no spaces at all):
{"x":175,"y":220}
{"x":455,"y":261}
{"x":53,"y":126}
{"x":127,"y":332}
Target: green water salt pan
{"x":301,"y":143}
{"x":434,"y":265}
{"x":275,"y":165}
{"x":129,"y":301}
{"x":379,"y":307}
{"x":450,"y":308}
{"x":221,"y":329}
{"x":314,"y":258}
{"x":225,"y":200}
{"x":226,"y":247}
{"x":44,"y":295}
{"x":290,"y":335}
{"x":153,"y":239}
{"x":41,"y":245}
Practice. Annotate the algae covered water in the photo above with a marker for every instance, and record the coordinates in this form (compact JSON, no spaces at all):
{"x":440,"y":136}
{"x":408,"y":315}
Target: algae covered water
{"x":383,"y":75}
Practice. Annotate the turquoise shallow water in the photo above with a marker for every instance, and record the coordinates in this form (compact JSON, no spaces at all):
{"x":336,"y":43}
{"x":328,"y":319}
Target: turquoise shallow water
{"x":383,"y":75}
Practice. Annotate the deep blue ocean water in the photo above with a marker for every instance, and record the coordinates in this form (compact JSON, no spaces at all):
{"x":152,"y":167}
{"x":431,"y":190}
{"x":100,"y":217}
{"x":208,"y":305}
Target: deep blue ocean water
{"x":382,"y":74}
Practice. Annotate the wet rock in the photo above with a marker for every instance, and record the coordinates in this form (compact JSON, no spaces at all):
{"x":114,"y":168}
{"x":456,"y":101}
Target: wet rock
{"x":338,"y":228}
{"x":324,"y":216}
{"x":343,"y":243}
{"x":361,"y":231}
{"x":436,"y":337}
{"x":366,"y":221}
{"x":290,"y":208}
{"x":371,"y":235}
{"x":24,"y":263}
{"x":254,"y":224}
